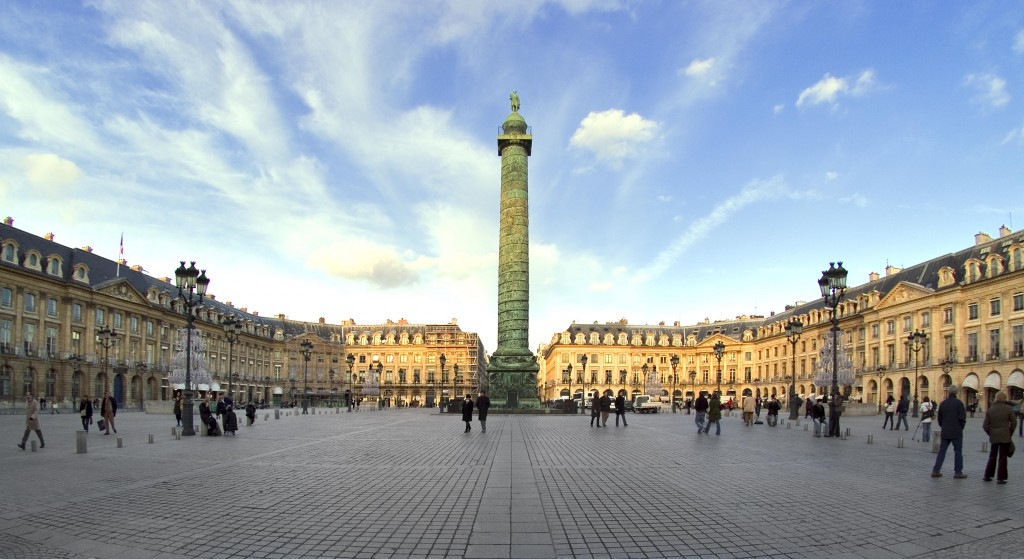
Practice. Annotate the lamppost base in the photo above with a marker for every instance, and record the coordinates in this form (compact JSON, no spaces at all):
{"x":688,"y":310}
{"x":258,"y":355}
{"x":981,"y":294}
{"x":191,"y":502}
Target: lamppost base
{"x":187,"y":428}
{"x":917,"y":405}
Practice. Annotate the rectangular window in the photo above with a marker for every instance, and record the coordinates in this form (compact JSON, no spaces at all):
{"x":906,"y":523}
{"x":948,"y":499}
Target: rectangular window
{"x":29,"y":338}
{"x":926,"y":319}
{"x":891,"y":350}
{"x":972,"y":311}
{"x":6,"y":298}
{"x":30,"y":302}
{"x":1018,"y":340}
{"x":6,"y":335}
{"x":608,"y":359}
{"x":134,"y":322}
{"x":1018,"y":301}
{"x":875,"y":357}
{"x":76,"y":312}
{"x":51,"y":342}
{"x":149,"y":328}
{"x":993,"y":343}
{"x":51,"y":307}
{"x":972,"y":346}
{"x":101,"y":317}
{"x":948,"y":343}
{"x":874,"y":331}
{"x":947,"y":315}
{"x":118,"y":324}
{"x":862,"y":333}
{"x":907,"y":323}
{"x":995,"y":306}
{"x":890,"y":327}
{"x":76,"y":342}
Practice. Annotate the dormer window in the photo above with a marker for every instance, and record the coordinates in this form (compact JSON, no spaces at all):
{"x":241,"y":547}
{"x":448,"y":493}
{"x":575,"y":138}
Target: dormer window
{"x":33,"y":261}
{"x":81,"y":273}
{"x":10,"y":253}
{"x":54,"y":266}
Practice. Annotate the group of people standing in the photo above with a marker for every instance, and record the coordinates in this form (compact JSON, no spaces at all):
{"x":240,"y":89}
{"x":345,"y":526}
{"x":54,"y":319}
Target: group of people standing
{"x":483,"y":403}
{"x":601,"y":408}
{"x":108,"y":411}
{"x":999,"y":424}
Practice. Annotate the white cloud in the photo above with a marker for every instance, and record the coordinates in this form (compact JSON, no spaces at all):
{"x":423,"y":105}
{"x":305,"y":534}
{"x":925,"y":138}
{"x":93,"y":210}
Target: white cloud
{"x":856,"y":199}
{"x":990,"y":90}
{"x":51,"y":172}
{"x":830,"y":88}
{"x":1015,"y":135}
{"x":613,"y":135}
{"x":831,"y":175}
{"x":1018,"y":42}
{"x":699,"y":68}
{"x":778,"y":108}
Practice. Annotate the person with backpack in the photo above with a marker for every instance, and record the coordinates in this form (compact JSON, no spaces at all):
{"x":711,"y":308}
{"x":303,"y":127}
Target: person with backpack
{"x":890,"y":413}
{"x":927,"y":416}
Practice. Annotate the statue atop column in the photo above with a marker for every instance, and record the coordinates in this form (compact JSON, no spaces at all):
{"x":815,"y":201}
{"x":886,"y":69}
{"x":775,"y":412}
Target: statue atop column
{"x":514,"y":97}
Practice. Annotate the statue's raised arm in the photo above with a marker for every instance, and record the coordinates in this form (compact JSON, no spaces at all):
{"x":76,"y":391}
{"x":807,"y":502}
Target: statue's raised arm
{"x":514,"y":97}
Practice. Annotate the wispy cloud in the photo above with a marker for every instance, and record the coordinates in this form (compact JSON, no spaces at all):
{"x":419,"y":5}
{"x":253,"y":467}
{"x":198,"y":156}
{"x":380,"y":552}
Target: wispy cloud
{"x":613,"y":136}
{"x":830,"y":88}
{"x":756,"y":191}
{"x":1018,"y":42}
{"x":990,"y":90}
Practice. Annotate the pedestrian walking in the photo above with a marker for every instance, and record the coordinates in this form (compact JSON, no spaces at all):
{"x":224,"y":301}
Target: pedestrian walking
{"x":749,"y":405}
{"x":606,"y":406}
{"x":177,"y":408}
{"x":927,"y":416}
{"x":999,"y":424}
{"x":890,"y":413}
{"x":901,"y":413}
{"x":483,"y":403}
{"x":700,"y":408}
{"x":714,"y":414}
{"x":31,"y":421}
{"x":809,"y":406}
{"x":952,"y":417}
{"x":250,"y":413}
{"x":817,"y":415}
{"x":108,"y":409}
{"x":620,"y":408}
{"x":595,"y":409}
{"x":85,"y":410}
{"x":467,"y":413}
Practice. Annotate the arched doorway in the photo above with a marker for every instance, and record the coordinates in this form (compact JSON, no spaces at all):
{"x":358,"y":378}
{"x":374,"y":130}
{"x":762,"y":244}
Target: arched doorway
{"x":119,"y":389}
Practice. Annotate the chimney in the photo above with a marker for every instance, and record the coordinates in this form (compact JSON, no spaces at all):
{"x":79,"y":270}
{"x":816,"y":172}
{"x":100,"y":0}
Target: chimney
{"x":244,"y":309}
{"x":48,"y":236}
{"x":873,"y":276}
{"x":230,"y":304}
{"x":255,"y":313}
{"x":1004,"y":231}
{"x":9,"y":221}
{"x":981,"y":238}
{"x":892,"y":270}
{"x":211,"y":296}
{"x":323,"y":320}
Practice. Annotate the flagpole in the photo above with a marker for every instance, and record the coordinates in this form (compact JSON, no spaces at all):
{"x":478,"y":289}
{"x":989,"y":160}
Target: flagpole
{"x":120,"y":255}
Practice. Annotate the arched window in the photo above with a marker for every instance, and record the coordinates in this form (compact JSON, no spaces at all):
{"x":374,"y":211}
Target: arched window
{"x":9,"y":252}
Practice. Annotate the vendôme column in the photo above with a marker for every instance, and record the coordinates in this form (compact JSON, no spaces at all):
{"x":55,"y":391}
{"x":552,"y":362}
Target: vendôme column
{"x":512,"y":370}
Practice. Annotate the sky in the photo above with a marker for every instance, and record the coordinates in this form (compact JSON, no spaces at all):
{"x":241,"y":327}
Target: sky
{"x":338,"y":159}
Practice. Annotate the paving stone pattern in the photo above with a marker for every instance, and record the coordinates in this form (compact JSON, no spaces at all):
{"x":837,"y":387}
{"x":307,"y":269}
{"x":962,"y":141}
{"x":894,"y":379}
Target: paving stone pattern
{"x":410,"y":483}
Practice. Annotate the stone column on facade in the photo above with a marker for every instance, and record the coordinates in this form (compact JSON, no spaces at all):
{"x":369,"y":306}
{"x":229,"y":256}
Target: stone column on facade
{"x":513,"y":368}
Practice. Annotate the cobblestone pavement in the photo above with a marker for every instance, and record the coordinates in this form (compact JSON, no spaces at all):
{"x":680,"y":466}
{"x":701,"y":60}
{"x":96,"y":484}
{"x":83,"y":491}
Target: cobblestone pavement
{"x":410,"y":483}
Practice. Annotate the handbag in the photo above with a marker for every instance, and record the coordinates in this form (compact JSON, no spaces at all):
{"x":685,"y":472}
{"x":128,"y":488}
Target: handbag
{"x":83,"y":412}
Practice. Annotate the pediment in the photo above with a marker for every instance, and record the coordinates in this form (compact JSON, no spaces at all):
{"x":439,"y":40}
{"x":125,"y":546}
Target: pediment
{"x":122,"y":289}
{"x":903,"y":292}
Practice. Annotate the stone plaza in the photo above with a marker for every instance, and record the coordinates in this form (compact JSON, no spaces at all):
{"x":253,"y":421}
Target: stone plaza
{"x":410,"y":483}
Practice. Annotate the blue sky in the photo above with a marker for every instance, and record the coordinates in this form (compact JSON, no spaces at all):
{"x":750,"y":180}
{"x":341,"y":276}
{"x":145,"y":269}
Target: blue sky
{"x":691,"y":160}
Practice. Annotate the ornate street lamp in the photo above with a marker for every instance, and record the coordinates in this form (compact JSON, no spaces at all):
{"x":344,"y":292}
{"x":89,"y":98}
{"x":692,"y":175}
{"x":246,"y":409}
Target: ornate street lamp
{"x":106,"y":337}
{"x":334,"y":393}
{"x":793,"y":330}
{"x":350,"y":360}
{"x":915,"y":342}
{"x":307,"y":348}
{"x":567,"y":377}
{"x":232,"y":328}
{"x":192,"y":284}
{"x":719,"y":348}
{"x":833,"y":286}
{"x":583,"y":378}
{"x":880,"y":371}
{"x":442,"y":359}
{"x":455,"y":379}
{"x":674,"y":361}
{"x":693,"y":384}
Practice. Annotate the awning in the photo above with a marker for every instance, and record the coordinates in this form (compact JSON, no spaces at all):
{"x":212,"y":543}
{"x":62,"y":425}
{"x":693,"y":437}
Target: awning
{"x":993,"y":381}
{"x":971,"y":381}
{"x":278,"y":390}
{"x":1016,"y":379}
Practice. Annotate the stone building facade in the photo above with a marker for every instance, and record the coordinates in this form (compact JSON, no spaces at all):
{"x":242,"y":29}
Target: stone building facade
{"x":55,"y":301}
{"x":968,"y":304}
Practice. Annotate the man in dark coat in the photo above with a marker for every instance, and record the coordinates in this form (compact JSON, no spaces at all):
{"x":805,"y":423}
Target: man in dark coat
{"x":701,"y":408}
{"x":952,"y":418}
{"x":467,"y":412}
{"x":606,"y":407}
{"x":620,"y":408}
{"x":483,"y":403}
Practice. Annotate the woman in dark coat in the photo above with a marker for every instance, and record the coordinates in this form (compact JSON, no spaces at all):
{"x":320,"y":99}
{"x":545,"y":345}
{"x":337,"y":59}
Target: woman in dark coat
{"x":483,"y":403}
{"x":206,"y":416}
{"x":595,"y":409}
{"x":467,"y":412}
{"x":999,"y":424}
{"x":85,"y":410}
{"x":250,"y":412}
